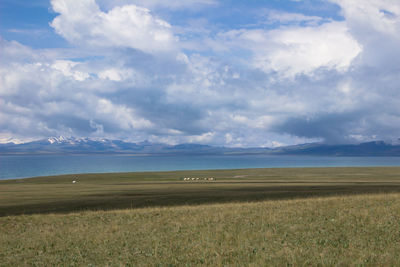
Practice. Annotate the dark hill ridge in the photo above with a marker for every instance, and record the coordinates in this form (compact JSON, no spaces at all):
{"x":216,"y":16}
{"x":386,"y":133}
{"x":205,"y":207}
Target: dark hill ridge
{"x":63,"y":145}
{"x":375,"y":148}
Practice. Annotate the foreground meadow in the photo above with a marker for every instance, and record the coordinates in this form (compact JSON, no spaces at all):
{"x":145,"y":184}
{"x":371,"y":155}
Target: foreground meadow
{"x":362,"y":230}
{"x":249,"y":217}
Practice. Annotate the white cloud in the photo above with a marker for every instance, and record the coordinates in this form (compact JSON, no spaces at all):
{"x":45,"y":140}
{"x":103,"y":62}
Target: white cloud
{"x":116,"y":75}
{"x":376,"y":25}
{"x":83,"y":23}
{"x":274,"y":16}
{"x":294,"y":50}
{"x":55,"y":97}
{"x":125,"y":116}
{"x":155,"y":4}
{"x":66,"y":67}
{"x":203,"y":138}
{"x":377,"y":15}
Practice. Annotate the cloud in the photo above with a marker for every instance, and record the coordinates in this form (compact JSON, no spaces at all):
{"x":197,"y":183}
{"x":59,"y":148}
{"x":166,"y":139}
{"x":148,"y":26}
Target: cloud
{"x":286,"y":18}
{"x":291,"y":79}
{"x":50,"y":97}
{"x":66,"y":66}
{"x":372,"y":15}
{"x":84,"y":24}
{"x":294,"y":50}
{"x":375,"y":24}
{"x":156,"y":4}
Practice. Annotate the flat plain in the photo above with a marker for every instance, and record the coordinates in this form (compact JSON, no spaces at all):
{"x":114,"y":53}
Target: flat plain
{"x":57,"y":194}
{"x":248,"y":217}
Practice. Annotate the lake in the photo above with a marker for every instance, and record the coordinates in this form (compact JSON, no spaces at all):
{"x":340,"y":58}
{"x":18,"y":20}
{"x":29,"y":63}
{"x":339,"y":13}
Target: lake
{"x":21,"y":166}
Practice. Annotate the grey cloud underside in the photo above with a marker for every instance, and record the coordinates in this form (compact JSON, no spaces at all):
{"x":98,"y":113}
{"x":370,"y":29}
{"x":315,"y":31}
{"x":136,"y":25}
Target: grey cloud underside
{"x":335,"y":128}
{"x":151,"y":105}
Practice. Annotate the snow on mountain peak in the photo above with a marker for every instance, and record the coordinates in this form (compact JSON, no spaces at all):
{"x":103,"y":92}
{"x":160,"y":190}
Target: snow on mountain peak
{"x":60,"y":139}
{"x":73,"y":140}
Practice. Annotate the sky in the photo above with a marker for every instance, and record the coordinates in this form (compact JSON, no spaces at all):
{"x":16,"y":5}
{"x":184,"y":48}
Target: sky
{"x":218,"y":72}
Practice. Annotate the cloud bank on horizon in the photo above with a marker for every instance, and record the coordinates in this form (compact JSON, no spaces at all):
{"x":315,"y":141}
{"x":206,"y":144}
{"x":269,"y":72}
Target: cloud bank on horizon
{"x":204,"y":71}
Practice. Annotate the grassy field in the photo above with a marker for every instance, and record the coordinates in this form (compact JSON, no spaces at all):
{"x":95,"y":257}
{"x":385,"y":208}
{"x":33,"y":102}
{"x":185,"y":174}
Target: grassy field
{"x":360,"y":230}
{"x":256,"y":217}
{"x":149,"y":189}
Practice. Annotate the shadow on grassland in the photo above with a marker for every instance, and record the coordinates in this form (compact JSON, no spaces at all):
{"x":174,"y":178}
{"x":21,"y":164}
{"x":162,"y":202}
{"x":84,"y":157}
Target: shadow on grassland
{"x":128,"y":200}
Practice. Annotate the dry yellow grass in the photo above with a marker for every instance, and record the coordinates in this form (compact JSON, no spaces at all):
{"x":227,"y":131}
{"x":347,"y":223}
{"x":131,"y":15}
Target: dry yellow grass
{"x":343,"y":230}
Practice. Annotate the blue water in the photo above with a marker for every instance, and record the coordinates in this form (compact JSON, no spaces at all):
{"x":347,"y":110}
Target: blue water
{"x":20,"y":166}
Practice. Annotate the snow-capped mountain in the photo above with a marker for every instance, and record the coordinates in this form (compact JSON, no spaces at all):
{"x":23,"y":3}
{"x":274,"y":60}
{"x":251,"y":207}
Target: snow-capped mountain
{"x":60,"y":139}
{"x":65,"y":145}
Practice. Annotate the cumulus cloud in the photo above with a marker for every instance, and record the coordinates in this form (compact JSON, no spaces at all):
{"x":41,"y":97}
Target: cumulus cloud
{"x":51,"y":97}
{"x":66,"y":68}
{"x":83,"y":23}
{"x":375,"y":24}
{"x":363,"y":103}
{"x":298,"y":50}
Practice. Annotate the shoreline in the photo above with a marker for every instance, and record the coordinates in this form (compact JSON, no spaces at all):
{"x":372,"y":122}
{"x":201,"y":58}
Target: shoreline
{"x":189,"y":170}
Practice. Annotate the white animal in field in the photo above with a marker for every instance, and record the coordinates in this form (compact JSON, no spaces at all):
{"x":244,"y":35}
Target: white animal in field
{"x":73,"y":181}
{"x":193,"y":179}
{"x":211,"y":179}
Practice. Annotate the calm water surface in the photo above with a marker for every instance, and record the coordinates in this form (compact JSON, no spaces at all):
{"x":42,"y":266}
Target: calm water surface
{"x":20,"y":166}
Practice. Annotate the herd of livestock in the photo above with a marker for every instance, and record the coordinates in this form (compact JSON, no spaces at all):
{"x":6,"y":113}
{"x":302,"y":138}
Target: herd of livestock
{"x":198,"y":179}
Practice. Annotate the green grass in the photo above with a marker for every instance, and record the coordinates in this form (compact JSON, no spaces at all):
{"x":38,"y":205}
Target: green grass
{"x":255,"y":217}
{"x":138,"y":190}
{"x":360,"y":230}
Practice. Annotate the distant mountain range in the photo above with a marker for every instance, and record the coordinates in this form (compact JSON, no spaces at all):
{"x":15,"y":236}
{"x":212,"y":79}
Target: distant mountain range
{"x":60,"y":145}
{"x":65,"y":145}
